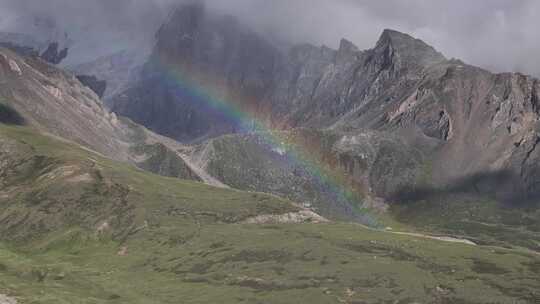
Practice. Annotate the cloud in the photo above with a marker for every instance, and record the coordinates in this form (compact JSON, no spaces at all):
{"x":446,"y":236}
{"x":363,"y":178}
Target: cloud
{"x":497,"y":34}
{"x":501,"y":35}
{"x":94,"y":28}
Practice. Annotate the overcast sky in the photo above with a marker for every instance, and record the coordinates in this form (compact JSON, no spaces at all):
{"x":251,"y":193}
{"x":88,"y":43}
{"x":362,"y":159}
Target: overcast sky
{"x":501,"y":35}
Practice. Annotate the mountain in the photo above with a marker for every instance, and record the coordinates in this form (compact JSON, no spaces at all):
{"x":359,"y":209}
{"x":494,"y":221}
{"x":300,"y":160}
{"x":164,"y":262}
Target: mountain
{"x":303,"y":86}
{"x":222,"y":46}
{"x":475,"y":121}
{"x":452,"y":132}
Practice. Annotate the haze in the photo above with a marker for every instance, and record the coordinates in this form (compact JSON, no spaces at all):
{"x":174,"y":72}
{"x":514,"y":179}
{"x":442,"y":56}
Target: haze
{"x":495,"y":34}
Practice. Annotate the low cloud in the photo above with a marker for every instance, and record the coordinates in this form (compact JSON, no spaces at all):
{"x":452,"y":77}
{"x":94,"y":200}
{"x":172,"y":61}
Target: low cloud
{"x":497,"y":34}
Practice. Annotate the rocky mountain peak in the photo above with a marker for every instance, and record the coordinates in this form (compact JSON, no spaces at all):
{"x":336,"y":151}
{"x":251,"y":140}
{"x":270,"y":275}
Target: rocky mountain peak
{"x":347,"y":46}
{"x":53,"y":55}
{"x":408,"y":49}
{"x":187,"y":18}
{"x":346,"y":50}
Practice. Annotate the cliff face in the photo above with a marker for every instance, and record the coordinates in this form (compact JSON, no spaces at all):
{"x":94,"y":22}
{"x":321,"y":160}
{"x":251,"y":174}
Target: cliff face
{"x":210,"y":51}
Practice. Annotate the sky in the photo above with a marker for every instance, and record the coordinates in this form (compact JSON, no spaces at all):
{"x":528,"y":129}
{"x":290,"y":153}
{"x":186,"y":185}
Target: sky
{"x":500,"y":35}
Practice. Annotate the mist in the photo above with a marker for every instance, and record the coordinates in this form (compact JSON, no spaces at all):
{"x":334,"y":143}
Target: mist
{"x":500,"y":35}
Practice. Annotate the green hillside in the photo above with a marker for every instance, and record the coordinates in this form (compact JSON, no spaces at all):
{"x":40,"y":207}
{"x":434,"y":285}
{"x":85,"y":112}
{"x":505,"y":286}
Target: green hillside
{"x":76,"y":227}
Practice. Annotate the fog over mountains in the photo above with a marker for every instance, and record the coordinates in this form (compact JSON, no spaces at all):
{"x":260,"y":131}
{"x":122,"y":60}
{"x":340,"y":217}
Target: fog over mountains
{"x":499,"y":35}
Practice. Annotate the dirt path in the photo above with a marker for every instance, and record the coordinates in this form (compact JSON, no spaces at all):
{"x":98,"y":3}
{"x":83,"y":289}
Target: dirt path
{"x":440,"y":238}
{"x":448,"y":239}
{"x":425,"y":236}
{"x":178,"y":148}
{"x":207,"y":178}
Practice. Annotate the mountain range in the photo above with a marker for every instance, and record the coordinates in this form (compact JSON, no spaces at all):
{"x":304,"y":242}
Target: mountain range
{"x":460,"y":121}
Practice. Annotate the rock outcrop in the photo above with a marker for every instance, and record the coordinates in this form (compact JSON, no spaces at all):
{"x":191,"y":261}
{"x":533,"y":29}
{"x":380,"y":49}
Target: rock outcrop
{"x":7,"y":300}
{"x":53,"y":55}
{"x":92,"y":82}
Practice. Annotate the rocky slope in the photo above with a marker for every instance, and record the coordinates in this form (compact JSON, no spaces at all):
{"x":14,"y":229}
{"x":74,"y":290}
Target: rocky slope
{"x":36,"y":94}
{"x":92,"y":82}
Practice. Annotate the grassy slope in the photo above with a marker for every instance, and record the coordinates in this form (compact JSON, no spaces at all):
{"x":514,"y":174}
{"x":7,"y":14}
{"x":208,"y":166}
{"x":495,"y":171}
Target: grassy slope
{"x":483,"y":220}
{"x":245,"y":162}
{"x":184,"y":243}
{"x":249,"y":162}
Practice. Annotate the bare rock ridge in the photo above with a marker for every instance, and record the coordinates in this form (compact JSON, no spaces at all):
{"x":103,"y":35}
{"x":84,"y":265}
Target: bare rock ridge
{"x":396,"y":47}
{"x":305,"y":86}
{"x":466,"y":123}
{"x":53,"y":55}
{"x":27,"y":46}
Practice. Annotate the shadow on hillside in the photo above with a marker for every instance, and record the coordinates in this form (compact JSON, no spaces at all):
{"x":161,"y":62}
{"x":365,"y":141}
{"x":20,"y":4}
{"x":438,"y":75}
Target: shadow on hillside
{"x":504,"y":186}
{"x":9,"y":116}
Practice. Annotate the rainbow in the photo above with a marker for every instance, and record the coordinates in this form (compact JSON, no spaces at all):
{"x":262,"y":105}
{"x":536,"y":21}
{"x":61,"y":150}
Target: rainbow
{"x":331,"y":178}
